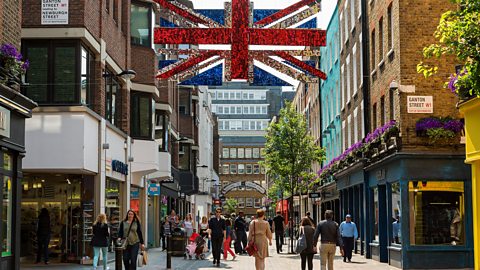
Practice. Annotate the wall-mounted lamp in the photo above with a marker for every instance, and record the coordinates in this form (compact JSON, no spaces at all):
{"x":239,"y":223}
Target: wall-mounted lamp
{"x":393,"y":85}
{"x":128,"y":74}
{"x":106,"y":146}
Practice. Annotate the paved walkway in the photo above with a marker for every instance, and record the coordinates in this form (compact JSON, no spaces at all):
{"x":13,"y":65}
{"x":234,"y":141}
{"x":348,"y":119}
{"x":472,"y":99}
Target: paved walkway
{"x":275,"y":261}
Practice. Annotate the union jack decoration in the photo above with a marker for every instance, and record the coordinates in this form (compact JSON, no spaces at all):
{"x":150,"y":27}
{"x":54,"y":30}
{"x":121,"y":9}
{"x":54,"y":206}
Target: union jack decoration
{"x":240,"y":31}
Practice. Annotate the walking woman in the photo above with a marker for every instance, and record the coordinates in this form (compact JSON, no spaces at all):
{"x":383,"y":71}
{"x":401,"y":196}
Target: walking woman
{"x":188,"y":225}
{"x":131,"y":230}
{"x":306,"y":227}
{"x":259,"y":232}
{"x":100,"y":240}
{"x":204,"y":230}
{"x":226,"y":243}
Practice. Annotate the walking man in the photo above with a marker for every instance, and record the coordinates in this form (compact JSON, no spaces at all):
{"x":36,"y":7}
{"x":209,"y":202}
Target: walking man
{"x":240,"y":229}
{"x":217,"y":234}
{"x":279,"y":227}
{"x":329,"y":234}
{"x":348,"y":231}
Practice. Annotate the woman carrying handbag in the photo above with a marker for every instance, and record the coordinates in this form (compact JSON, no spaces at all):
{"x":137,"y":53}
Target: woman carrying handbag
{"x":306,"y":228}
{"x":260,"y":236}
{"x":130,"y":234}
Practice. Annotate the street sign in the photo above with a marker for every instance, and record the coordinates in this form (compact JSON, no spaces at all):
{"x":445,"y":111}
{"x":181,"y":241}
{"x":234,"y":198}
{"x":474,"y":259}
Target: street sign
{"x":314,"y":195}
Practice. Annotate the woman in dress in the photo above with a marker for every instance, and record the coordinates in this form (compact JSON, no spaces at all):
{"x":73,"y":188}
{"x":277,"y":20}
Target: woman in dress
{"x":100,"y":240}
{"x":131,"y":231}
{"x":259,"y":232}
{"x":188,"y":225}
{"x":226,"y":243}
{"x":306,"y":227}
{"x":204,"y":230}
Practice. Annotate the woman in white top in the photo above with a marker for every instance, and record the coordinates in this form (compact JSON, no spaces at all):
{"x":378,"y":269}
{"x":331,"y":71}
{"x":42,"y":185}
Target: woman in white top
{"x":204,"y":230}
{"x":188,"y":225}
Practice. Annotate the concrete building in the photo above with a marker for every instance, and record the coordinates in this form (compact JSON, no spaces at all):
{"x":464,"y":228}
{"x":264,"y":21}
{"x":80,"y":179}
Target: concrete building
{"x":244,"y":113}
{"x":15,"y":108}
{"x":98,"y":141}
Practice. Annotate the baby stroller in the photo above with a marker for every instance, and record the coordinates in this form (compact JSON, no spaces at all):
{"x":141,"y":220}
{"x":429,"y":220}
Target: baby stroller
{"x":196,"y":247}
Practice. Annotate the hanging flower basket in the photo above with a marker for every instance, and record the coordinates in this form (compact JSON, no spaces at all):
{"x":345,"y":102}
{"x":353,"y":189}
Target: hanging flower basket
{"x":12,"y":65}
{"x":439,"y":130}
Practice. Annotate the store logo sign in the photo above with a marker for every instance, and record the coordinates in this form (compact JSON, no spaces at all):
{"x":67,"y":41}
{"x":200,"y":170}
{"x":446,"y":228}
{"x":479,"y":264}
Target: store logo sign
{"x":120,"y":167}
{"x":154,"y":189}
{"x":4,"y":122}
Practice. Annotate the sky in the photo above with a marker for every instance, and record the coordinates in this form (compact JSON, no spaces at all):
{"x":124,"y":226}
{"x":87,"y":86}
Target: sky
{"x":328,"y":6}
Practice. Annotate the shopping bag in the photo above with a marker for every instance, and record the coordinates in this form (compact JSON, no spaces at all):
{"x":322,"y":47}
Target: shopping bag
{"x":140,"y":259}
{"x":145,"y":257}
{"x":301,"y":242}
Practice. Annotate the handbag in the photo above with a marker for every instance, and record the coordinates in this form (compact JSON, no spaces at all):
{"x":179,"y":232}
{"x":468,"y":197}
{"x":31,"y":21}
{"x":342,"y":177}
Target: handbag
{"x":140,"y":259}
{"x":251,"y":246}
{"x":233,"y":235}
{"x":123,"y":242}
{"x":301,"y":242}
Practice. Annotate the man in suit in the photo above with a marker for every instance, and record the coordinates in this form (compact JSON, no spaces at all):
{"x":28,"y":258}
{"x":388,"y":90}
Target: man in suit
{"x":217,"y":233}
{"x":278,"y":227}
{"x":240,"y":229}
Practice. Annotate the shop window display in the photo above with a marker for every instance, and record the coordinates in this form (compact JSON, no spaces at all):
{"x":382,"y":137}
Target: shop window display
{"x":135,"y":200}
{"x":438,"y":217}
{"x":396,"y":235}
{"x":376,"y":214}
{"x":113,"y":208}
{"x":7,"y":217}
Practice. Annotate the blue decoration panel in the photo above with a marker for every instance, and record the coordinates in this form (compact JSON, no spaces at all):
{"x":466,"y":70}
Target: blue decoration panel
{"x":212,"y":76}
{"x":262,"y":77}
{"x":164,"y":63}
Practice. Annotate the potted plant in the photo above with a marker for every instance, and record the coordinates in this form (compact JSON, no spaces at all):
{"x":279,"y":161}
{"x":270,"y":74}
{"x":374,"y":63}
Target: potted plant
{"x":12,"y":65}
{"x":439,"y":130}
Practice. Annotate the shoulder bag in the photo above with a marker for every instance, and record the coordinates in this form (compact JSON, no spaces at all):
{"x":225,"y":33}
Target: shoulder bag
{"x":123,"y":242}
{"x":301,"y":242}
{"x":251,"y":246}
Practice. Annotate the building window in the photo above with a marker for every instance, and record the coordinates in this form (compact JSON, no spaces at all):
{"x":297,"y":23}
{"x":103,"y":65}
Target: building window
{"x":115,"y":10}
{"x":233,"y":152}
{"x":241,"y":153}
{"x":374,"y":116}
{"x":258,"y":203}
{"x":347,"y":78}
{"x":396,"y":235}
{"x":262,"y":152}
{"x":113,"y":102}
{"x":382,"y":111}
{"x":256,"y":168}
{"x":241,"y":168}
{"x":233,"y":168}
{"x":184,"y":154}
{"x":380,"y":38}
{"x":375,"y":214}
{"x":162,"y":123}
{"x":345,"y":30}
{"x":225,"y":168}
{"x":372,"y":45}
{"x":226,"y":153}
{"x":141,"y":115}
{"x":248,"y":169}
{"x":352,"y":13}
{"x":60,"y":72}
{"x":392,"y":105}
{"x":241,"y":202}
{"x":390,"y":27}
{"x":7,"y":206}
{"x":248,"y":152}
{"x":354,"y":66}
{"x":140,"y":25}
{"x":256,"y":153}
{"x":249,"y":203}
{"x":438,"y":213}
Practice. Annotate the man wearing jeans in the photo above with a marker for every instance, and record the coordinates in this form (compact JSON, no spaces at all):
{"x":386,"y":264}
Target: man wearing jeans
{"x":329,"y":232}
{"x":348,"y":231}
{"x":217,"y":234}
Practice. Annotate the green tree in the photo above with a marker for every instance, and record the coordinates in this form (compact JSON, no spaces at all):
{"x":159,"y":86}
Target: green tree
{"x":458,"y":34}
{"x":289,"y":154}
{"x":230,"y":205}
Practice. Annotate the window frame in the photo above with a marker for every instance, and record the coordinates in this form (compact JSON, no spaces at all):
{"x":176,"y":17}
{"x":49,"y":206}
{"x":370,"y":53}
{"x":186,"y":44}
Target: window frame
{"x":150,"y":19}
{"x":133,"y":94}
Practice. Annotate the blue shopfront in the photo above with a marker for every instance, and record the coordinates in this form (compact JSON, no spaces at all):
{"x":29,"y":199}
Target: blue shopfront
{"x":418,"y":211}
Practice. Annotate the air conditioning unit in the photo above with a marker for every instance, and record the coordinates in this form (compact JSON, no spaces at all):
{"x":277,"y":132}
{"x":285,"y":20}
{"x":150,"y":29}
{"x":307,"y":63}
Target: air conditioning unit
{"x":205,"y":104}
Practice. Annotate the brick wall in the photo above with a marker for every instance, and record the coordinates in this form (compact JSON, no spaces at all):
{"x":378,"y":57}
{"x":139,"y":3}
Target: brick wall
{"x":10,"y":21}
{"x":144,"y":63}
{"x":414,"y":24}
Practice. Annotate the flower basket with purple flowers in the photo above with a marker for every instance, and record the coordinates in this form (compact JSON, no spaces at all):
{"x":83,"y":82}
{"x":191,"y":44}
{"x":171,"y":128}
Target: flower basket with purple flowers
{"x":439,"y":130}
{"x":12,"y":65}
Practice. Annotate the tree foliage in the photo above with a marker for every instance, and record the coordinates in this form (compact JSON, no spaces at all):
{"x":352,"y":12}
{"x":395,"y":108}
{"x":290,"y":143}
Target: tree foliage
{"x":290,"y":151}
{"x":458,"y":34}
{"x":230,"y":205}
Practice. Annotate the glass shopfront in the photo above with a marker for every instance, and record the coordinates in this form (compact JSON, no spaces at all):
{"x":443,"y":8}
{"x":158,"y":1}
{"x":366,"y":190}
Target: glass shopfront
{"x":7,"y":210}
{"x":61,"y":196}
{"x":375,"y":214}
{"x":438,"y":213}
{"x":113,"y":206}
{"x":135,"y":200}
{"x":396,"y":235}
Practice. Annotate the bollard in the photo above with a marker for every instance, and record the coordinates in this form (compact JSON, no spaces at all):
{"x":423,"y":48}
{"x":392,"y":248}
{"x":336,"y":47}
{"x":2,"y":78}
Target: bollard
{"x":118,"y":257}
{"x":169,"y":252}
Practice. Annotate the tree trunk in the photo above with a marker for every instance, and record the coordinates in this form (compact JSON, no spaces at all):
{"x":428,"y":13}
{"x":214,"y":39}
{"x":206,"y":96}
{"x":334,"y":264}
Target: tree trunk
{"x":291,"y":211}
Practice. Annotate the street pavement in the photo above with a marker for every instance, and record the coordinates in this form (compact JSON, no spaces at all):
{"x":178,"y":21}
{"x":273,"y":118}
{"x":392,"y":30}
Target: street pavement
{"x":157,"y":260}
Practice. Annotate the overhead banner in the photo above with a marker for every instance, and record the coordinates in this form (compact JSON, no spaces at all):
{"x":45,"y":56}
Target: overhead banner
{"x":55,"y":11}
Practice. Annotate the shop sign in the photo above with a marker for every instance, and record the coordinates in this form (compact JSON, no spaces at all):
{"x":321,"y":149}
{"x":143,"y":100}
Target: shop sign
{"x":154,"y":189}
{"x":55,"y":11}
{"x":314,"y":195}
{"x":120,"y":167}
{"x":4,"y":122}
{"x":420,"y":104}
{"x":111,"y":203}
